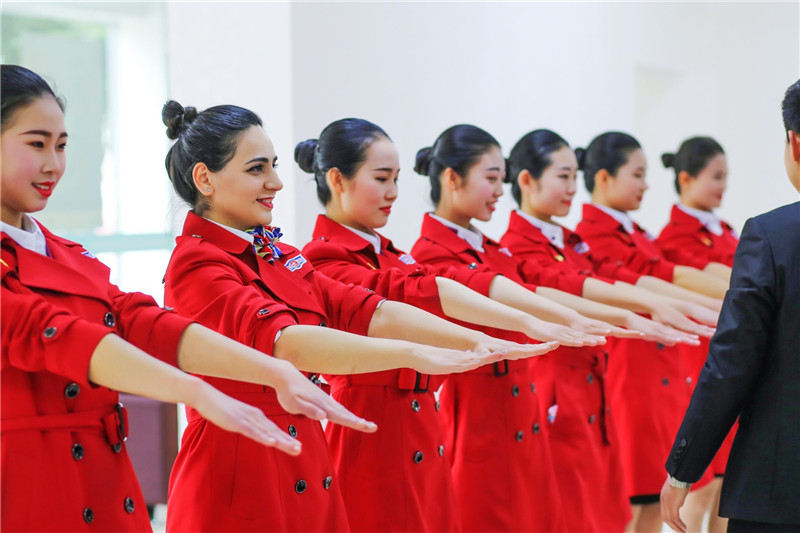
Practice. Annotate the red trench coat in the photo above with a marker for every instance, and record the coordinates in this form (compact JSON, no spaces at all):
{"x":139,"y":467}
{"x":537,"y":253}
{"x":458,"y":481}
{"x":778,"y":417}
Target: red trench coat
{"x":222,"y":481}
{"x":494,"y":416}
{"x":64,"y":465}
{"x":592,"y":454}
{"x":647,"y":381}
{"x":685,"y":240}
{"x":388,"y":485}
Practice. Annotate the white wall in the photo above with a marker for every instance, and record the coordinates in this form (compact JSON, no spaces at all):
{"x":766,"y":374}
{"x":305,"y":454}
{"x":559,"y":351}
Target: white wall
{"x":661,"y":71}
{"x":579,"y":69}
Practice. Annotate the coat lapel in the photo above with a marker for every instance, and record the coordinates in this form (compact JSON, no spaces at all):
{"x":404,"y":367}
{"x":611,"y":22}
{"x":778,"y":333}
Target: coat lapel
{"x":70,"y":270}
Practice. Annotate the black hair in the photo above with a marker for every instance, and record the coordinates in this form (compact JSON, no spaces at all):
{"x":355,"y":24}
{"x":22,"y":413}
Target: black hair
{"x":791,"y":109}
{"x":692,"y":157}
{"x":342,"y":144}
{"x":209,"y":137}
{"x":458,"y":147}
{"x":20,"y":87}
{"x":607,"y":151}
{"x":532,"y":153}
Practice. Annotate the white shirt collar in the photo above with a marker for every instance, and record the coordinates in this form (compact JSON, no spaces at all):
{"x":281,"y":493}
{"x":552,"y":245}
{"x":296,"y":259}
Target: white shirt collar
{"x":553,"y":232}
{"x":239,"y":233}
{"x":30,"y":236}
{"x":620,"y":216}
{"x":706,"y":218}
{"x":371,"y":238}
{"x":473,"y":237}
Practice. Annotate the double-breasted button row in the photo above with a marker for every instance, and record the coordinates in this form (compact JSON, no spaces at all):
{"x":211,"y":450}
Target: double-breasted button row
{"x":472,"y":266}
{"x":78,"y":452}
{"x":88,"y":515}
{"x":688,"y":380}
{"x":50,"y":332}
{"x":292,"y":431}
{"x":665,"y":381}
{"x":592,"y":418}
{"x":441,"y":450}
{"x":109,"y":320}
{"x":590,"y":378}
{"x":415,"y":406}
{"x":72,"y":390}
{"x":323,"y":324}
{"x":301,"y":485}
{"x":418,"y":456}
{"x":437,"y":405}
{"x":533,"y":387}
{"x":129,"y":505}
{"x":535,"y":428}
{"x":262,"y":312}
{"x":514,"y":390}
{"x":519,"y":435}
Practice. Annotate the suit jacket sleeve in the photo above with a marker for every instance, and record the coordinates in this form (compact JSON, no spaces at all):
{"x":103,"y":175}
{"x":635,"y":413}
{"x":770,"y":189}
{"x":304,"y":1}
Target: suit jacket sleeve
{"x":736,"y":356}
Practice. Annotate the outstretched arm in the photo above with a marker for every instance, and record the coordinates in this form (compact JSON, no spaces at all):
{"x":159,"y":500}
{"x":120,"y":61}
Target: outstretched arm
{"x":462,"y":303}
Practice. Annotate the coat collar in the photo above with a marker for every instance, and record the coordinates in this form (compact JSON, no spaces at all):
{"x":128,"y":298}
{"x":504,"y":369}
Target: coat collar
{"x":553,"y":233}
{"x":70,"y":269}
{"x":327,"y":229}
{"x":435,"y":231}
{"x":197,"y":226}
{"x":285,"y":285}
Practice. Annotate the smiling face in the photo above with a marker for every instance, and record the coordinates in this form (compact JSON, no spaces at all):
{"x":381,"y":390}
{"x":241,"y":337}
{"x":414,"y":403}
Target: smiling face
{"x":475,"y":195}
{"x":34,"y":159}
{"x":366,"y":198}
{"x":705,"y":190}
{"x":551,"y":195}
{"x":242,"y":192}
{"x":626,"y":189}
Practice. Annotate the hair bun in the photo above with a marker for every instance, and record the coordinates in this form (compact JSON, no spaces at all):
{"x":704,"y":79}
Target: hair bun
{"x":422,"y":165}
{"x":508,"y":177}
{"x":177,"y":118}
{"x":668,"y":160}
{"x":305,"y":154}
{"x":580,"y":155}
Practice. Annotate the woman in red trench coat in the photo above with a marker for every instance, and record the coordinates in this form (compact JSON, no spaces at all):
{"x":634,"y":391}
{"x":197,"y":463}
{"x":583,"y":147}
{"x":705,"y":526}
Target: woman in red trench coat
{"x":695,"y":236}
{"x":356,"y":167}
{"x":267,"y":294}
{"x":542,"y":169}
{"x":71,"y":340}
{"x":466,"y":171}
{"x":614,"y":168}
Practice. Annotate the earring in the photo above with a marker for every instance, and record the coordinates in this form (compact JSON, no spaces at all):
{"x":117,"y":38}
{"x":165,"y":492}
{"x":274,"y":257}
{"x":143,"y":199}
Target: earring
{"x":207,"y":189}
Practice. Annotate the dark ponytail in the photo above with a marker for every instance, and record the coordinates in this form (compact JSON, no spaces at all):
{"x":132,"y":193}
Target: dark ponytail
{"x":208,"y":137}
{"x":343,"y":145}
{"x":692,"y":157}
{"x":458,"y":147}
{"x":532,"y":153}
{"x":607,"y":151}
{"x":20,"y":87}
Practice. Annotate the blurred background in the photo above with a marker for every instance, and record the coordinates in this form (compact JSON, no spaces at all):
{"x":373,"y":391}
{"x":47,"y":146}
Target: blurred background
{"x":662,"y":71}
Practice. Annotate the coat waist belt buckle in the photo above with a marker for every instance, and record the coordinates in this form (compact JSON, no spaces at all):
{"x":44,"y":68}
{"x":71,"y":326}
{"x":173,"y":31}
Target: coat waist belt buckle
{"x":116,"y":426}
{"x":501,"y":368}
{"x":418,"y":384}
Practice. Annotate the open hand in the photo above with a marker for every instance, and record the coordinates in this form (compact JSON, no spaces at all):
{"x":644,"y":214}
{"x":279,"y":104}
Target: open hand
{"x":236,"y":416}
{"x":299,"y":396}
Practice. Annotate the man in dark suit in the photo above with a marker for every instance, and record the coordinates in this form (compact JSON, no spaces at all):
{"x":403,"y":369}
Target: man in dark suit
{"x":753,"y":372}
